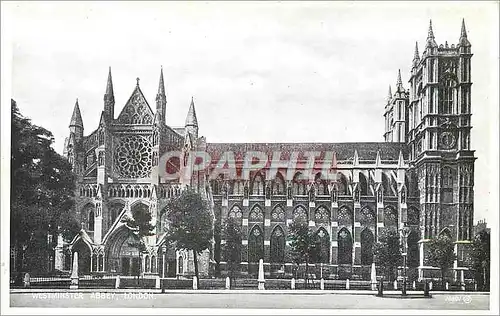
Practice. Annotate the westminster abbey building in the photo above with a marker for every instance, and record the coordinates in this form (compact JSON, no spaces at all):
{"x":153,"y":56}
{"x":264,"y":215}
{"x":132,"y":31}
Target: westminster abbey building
{"x":420,"y":177}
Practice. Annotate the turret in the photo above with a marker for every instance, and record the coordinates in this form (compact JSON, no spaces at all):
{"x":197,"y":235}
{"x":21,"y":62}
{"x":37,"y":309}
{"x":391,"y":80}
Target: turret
{"x":416,"y":57}
{"x":463,"y":42}
{"x":109,"y":99}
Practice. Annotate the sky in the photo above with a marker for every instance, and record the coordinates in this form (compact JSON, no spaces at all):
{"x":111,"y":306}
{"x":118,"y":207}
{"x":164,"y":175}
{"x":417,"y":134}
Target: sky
{"x":258,"y":71}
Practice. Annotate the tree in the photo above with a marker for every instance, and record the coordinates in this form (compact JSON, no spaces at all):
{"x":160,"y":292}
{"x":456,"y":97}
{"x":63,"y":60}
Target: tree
{"x":387,"y":252}
{"x":42,"y":193}
{"x":190,"y":223}
{"x":480,"y":256}
{"x":232,"y":248}
{"x":303,"y":246}
{"x":441,"y":254}
{"x":140,"y":225}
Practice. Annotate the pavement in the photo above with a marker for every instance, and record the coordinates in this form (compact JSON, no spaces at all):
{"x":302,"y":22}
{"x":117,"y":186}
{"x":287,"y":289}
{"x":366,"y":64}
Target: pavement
{"x":247,"y":299}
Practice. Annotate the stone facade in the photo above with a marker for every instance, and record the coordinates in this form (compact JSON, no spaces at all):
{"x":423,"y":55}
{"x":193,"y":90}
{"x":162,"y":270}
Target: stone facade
{"x":420,"y":177}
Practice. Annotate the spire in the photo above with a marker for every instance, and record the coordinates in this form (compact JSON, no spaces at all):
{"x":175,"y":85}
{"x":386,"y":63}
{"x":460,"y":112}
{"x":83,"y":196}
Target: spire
{"x":191,"y":119}
{"x":399,"y":84}
{"x":76,"y":118}
{"x":389,"y":95}
{"x":463,"y":35}
{"x":161,"y":86}
{"x":109,"y":86}
{"x":416,"y":56}
{"x":431,"y":42}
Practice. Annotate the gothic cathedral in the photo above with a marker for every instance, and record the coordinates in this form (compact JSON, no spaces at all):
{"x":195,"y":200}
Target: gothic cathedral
{"x":420,"y":179}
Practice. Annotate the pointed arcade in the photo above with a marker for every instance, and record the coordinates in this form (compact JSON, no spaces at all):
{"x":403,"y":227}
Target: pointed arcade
{"x":191,"y":119}
{"x":76,"y":118}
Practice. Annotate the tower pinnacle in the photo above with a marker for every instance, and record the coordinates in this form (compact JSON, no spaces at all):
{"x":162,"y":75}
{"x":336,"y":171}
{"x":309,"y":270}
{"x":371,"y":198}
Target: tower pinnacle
{"x":76,"y":118}
{"x":431,"y":42}
{"x":191,"y":119}
{"x":463,"y":35}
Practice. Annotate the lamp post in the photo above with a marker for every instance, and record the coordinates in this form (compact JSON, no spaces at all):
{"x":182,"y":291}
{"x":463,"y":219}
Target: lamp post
{"x":405,"y":231}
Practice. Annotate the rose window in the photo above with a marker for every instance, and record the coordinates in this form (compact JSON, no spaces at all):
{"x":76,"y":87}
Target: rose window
{"x":133,"y":157}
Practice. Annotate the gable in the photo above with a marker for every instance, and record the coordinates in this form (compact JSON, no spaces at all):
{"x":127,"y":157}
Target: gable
{"x":136,"y":110}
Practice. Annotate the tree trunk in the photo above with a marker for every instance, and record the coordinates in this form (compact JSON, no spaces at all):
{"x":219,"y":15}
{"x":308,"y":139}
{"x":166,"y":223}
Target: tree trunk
{"x":195,"y":257}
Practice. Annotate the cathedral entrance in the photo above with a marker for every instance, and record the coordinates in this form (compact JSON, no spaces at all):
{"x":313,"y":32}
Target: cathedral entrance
{"x":83,"y":256}
{"x":122,"y":254}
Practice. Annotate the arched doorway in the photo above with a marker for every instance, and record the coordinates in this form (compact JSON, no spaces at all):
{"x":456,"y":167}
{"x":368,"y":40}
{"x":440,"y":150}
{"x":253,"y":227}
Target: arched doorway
{"x":345,"y":247}
{"x":84,"y":254}
{"x":122,"y":254}
{"x":323,"y":240}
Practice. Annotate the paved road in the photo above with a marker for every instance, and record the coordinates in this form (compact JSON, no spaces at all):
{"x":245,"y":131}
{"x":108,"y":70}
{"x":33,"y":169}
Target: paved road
{"x":246,"y":300}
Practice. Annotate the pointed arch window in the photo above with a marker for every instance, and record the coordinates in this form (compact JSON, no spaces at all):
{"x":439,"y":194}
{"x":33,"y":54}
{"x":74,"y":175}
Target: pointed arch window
{"x":323,"y":242}
{"x":447,"y":178}
{"x":255,"y":245}
{"x":299,"y":185}
{"x":363,"y":184}
{"x":256,"y":215}
{"x":322,"y":215}
{"x":342,"y":185}
{"x":367,"y":240}
{"x":345,"y":216}
{"x":278,"y":214}
{"x":279,"y":185}
{"x":238,"y":188}
{"x":258,"y":185}
{"x":236,"y":213}
{"x":386,"y":185}
{"x":367,"y":217}
{"x":91,"y":221}
{"x":345,"y":247}
{"x":278,"y":245}
{"x":447,"y":96}
{"x":300,"y":214}
{"x":390,"y":217}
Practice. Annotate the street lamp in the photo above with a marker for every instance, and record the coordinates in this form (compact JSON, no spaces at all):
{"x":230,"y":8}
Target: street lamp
{"x":405,"y":231}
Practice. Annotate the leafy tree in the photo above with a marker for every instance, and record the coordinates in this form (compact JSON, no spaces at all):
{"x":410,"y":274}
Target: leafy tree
{"x":303,"y":246}
{"x":387,"y":252}
{"x":441,"y":254}
{"x":140,"y":225}
{"x":480,"y":256}
{"x":42,"y":193}
{"x":190,"y":223}
{"x":232,"y":248}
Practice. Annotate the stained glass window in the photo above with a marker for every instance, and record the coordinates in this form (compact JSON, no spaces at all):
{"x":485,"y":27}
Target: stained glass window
{"x":345,"y":216}
{"x":322,"y":214}
{"x":390,"y":217}
{"x":255,"y":244}
{"x":324,"y":245}
{"x":256,"y":215}
{"x":278,"y":245}
{"x":300,"y":214}
{"x":278,"y":214}
{"x":367,"y":217}
{"x":133,"y":156}
{"x":235,"y":213}
{"x":345,"y":247}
